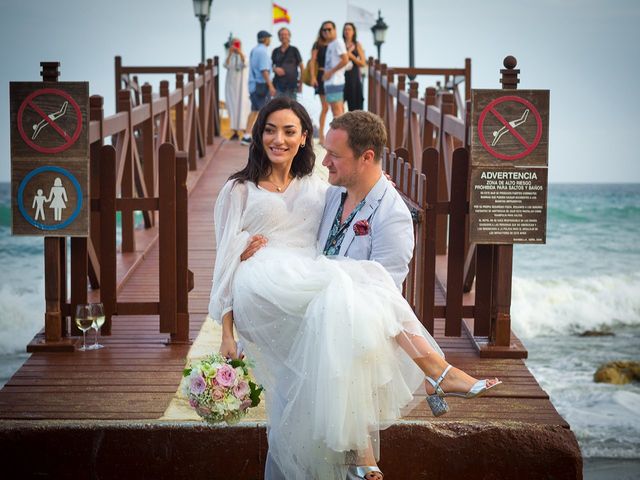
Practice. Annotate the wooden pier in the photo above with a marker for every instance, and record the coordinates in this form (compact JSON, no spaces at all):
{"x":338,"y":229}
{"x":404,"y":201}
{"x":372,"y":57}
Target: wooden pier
{"x":96,"y":414}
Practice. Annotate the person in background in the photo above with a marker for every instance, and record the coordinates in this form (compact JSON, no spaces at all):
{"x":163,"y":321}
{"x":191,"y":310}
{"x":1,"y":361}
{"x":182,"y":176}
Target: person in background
{"x":352,"y":78}
{"x":236,"y":88}
{"x":286,"y":61}
{"x":335,"y":61}
{"x":318,"y":53}
{"x":260,"y":86}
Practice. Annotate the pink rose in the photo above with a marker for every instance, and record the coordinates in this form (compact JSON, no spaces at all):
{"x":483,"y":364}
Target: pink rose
{"x":193,"y":402}
{"x":217,"y":393}
{"x":361,"y":227}
{"x":245,"y":404}
{"x":226,"y":376}
{"x":241,"y":389}
{"x":198,"y":385}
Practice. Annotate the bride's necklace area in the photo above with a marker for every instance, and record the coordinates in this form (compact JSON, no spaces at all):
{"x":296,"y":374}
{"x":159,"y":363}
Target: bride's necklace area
{"x":279,"y":188}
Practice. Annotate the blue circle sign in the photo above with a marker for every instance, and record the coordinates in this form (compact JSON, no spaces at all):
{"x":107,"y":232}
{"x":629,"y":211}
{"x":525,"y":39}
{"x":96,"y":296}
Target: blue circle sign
{"x":35,"y":222}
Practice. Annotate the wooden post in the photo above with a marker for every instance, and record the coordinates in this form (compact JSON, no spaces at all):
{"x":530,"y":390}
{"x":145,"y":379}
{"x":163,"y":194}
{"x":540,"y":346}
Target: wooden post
{"x":126,"y":183}
{"x":54,"y":269}
{"x":180,"y":112}
{"x":167,"y":128}
{"x":167,"y":240}
{"x":427,"y":127}
{"x":202,"y":109}
{"x":118,"y":79}
{"x":381,"y":94}
{"x":181,"y":335}
{"x":445,"y":172}
{"x":413,"y":141}
{"x":371,"y":95}
{"x":467,"y":80}
{"x":429,"y":201}
{"x":148,"y":146}
{"x":96,"y":113}
{"x":456,"y":251}
{"x":193,"y":119}
{"x":216,"y":98}
{"x":503,"y":254}
{"x":398,"y":139}
{"x":211,"y":119}
{"x":108,"y":230}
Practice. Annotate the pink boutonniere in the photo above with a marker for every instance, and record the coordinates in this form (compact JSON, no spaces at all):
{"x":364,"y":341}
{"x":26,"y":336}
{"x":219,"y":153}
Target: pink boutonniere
{"x":361,"y":227}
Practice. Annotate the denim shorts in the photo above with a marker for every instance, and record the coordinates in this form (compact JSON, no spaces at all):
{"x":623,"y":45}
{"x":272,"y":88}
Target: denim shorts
{"x":259,"y":97}
{"x":334,"y":93}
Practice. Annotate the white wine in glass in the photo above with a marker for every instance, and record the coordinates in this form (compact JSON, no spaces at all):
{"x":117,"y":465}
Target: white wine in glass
{"x":84,"y":320}
{"x":97,"y":314}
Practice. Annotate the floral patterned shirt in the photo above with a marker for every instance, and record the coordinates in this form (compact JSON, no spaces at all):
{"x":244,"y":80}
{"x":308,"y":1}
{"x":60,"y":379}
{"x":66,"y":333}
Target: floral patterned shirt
{"x":336,"y":234}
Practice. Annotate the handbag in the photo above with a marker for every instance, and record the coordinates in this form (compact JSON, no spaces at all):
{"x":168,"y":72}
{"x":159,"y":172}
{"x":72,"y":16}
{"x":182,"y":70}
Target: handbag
{"x":306,"y":74}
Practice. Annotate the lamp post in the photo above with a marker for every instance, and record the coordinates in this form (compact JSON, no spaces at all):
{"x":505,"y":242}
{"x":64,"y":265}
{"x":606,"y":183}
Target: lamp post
{"x":202,"y":8}
{"x":379,"y":31}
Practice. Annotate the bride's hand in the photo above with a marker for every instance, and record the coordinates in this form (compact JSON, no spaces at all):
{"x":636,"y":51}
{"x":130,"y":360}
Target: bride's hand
{"x":255,"y":243}
{"x":229,"y":348}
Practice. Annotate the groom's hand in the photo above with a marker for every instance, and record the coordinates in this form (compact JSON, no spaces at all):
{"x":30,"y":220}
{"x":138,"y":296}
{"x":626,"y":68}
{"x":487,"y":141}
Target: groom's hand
{"x":255,"y":243}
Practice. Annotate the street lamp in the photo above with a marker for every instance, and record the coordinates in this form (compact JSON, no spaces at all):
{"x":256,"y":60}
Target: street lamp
{"x":379,"y":31}
{"x":202,"y":8}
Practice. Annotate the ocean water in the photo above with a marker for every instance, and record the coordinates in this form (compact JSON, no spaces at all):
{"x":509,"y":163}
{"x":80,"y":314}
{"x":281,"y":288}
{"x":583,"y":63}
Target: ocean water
{"x":586,"y":277}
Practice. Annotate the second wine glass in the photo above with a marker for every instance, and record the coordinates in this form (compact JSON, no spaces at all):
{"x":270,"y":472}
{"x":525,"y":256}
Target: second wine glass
{"x":97,"y":315}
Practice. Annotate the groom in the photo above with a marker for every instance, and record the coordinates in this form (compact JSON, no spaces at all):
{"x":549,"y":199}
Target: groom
{"x":364,"y":216}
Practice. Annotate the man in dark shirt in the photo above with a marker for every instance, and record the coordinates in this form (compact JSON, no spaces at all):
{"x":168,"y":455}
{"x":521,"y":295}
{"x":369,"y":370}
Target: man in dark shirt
{"x":286,"y":60}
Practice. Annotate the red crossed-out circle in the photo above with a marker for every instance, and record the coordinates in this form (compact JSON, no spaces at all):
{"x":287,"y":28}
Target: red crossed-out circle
{"x":69,"y":139}
{"x":529,"y":147}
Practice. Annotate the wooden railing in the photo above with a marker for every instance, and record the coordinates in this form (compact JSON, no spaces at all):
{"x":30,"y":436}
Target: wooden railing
{"x":428,"y":159}
{"x":154,"y":139}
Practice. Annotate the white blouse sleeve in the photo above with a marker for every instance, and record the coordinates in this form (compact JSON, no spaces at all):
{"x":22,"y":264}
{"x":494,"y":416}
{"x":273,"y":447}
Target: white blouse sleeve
{"x":231,"y":241}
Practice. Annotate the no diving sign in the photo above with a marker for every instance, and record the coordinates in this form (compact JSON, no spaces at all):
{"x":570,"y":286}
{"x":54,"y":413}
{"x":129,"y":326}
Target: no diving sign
{"x":510,"y":127}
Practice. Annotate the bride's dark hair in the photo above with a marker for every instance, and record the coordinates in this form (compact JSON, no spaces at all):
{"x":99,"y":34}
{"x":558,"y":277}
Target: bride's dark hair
{"x":259,"y":165}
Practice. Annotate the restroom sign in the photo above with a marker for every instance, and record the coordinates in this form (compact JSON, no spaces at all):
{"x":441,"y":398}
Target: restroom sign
{"x":510,"y":127}
{"x":50,"y":158}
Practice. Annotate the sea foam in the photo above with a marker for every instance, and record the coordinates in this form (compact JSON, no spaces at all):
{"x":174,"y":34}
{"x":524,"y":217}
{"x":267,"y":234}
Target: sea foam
{"x":574,"y":304}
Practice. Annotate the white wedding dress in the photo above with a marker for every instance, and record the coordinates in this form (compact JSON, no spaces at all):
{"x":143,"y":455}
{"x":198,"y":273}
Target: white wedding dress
{"x":321,"y":331}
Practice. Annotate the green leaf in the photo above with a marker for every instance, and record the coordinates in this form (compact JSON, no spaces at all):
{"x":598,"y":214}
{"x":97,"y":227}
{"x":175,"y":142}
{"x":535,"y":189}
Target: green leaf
{"x":186,"y":372}
{"x":254,"y":395}
{"x":236,"y":363}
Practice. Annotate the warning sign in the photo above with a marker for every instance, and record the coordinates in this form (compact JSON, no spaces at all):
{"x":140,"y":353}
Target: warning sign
{"x":510,"y":127}
{"x":49,"y":120}
{"x":508,"y":205}
{"x":50,"y":158}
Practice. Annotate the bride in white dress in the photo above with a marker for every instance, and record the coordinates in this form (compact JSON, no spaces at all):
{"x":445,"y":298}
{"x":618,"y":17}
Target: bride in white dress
{"x":337,"y":348}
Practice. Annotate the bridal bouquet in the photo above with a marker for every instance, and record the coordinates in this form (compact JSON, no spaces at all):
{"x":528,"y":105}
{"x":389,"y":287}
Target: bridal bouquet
{"x":220,"y":389}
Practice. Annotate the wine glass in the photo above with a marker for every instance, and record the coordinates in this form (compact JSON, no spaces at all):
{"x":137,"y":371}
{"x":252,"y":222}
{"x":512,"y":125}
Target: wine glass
{"x":97,"y":315}
{"x":83,"y":322}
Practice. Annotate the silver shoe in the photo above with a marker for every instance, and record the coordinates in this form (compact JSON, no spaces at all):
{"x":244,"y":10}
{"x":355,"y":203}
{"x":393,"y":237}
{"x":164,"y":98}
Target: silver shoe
{"x":438,"y":404}
{"x":357,"y":473}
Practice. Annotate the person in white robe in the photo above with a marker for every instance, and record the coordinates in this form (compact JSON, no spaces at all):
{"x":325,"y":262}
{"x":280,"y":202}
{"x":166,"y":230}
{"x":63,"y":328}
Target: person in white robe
{"x":236,"y":89}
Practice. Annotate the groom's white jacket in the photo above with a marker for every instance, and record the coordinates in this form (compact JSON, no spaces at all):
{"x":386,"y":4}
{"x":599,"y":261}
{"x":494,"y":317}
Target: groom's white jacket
{"x":390,"y":237}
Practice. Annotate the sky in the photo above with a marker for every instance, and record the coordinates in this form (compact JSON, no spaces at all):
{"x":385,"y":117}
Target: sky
{"x":586,"y":52}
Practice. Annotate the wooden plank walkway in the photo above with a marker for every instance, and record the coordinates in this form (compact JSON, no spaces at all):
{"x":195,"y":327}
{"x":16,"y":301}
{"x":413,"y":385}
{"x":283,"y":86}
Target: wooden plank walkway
{"x":137,"y":374}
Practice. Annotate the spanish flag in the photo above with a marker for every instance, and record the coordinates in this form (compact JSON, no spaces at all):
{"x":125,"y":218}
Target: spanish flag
{"x":280,"y":14}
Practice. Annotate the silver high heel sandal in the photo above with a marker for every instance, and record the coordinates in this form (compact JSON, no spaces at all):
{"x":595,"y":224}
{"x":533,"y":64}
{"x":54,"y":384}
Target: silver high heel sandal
{"x":357,"y":473}
{"x":438,"y":404}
